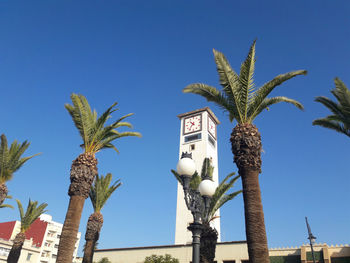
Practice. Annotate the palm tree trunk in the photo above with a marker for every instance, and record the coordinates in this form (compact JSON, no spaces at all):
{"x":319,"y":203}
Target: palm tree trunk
{"x":89,"y":251}
{"x":82,"y":174}
{"x":92,"y":235}
{"x":15,"y":251}
{"x":3,"y":192}
{"x":208,"y":241}
{"x":254,"y":217}
{"x":246,"y":147}
{"x":70,"y":229}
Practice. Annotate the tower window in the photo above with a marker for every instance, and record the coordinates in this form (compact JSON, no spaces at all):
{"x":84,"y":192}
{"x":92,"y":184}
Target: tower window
{"x":211,"y":140}
{"x":193,"y":137}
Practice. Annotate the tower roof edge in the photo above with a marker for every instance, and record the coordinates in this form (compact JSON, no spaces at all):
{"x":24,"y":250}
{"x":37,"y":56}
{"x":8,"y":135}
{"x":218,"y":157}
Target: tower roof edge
{"x":198,"y":111}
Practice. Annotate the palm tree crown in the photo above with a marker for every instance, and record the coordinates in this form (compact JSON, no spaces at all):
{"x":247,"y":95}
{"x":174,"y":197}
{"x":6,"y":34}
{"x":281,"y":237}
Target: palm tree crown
{"x":32,"y":213}
{"x":101,"y":190}
{"x":340,"y":119}
{"x":95,"y":134}
{"x":11,"y":158}
{"x":239,"y":96}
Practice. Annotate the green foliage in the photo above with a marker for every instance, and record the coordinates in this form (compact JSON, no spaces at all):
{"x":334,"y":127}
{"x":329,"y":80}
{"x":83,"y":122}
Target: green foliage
{"x":7,"y":205}
{"x":102,"y":190}
{"x":32,"y":213}
{"x":220,"y":196}
{"x":104,"y":260}
{"x":161,"y":259}
{"x":239,"y":96}
{"x":11,"y":158}
{"x":95,"y":133}
{"x":340,"y":118}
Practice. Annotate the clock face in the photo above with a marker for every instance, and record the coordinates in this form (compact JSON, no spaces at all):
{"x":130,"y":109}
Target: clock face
{"x":193,"y":124}
{"x":212,"y":127}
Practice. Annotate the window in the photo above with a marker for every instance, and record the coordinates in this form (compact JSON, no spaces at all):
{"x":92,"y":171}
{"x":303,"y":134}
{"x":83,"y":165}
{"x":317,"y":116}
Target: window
{"x":29,"y":255}
{"x":211,"y":140}
{"x":56,"y":245}
{"x":193,"y":137}
{"x":229,"y":261}
{"x":192,"y":147}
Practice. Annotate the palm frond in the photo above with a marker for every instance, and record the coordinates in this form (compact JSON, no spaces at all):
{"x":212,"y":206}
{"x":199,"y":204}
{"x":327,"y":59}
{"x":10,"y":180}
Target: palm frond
{"x":333,"y":125}
{"x":246,"y":81}
{"x":82,"y":117}
{"x":342,"y":93}
{"x":267,"y":102}
{"x":239,"y":96}
{"x":177,"y":176}
{"x":6,"y":206}
{"x":331,"y":105}
{"x":214,"y":95}
{"x":261,"y":94}
{"x":340,"y":120}
{"x":221,"y":202}
{"x":96,"y":134}
{"x":102,"y":190}
{"x":220,"y":196}
{"x":32,"y":213}
{"x":229,"y":80}
{"x":11,"y":158}
{"x":195,"y":179}
{"x":207,"y":169}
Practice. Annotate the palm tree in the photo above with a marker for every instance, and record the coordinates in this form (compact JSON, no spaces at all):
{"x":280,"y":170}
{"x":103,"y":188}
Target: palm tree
{"x":96,"y":136}
{"x":244,"y":103}
{"x":32,"y":213}
{"x":340,"y":119}
{"x":10,"y":161}
{"x":209,"y":235}
{"x":100,"y":192}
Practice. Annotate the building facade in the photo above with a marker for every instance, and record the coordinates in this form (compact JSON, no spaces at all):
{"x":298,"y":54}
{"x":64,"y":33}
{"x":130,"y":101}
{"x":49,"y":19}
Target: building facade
{"x":198,"y":135}
{"x":229,"y":252}
{"x":41,"y":242}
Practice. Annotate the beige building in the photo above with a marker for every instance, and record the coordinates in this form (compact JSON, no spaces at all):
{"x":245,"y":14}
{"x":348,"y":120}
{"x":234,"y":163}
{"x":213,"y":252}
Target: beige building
{"x":229,"y":252}
{"x":29,"y":253}
{"x":41,"y":242}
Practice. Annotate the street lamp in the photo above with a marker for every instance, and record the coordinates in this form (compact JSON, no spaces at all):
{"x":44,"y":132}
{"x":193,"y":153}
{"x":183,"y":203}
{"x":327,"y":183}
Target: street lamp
{"x":197,"y":201}
{"x":312,"y":239}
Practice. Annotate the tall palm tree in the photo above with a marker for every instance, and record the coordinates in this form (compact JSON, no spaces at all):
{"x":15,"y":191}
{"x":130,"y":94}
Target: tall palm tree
{"x":32,"y":213}
{"x":340,"y":119}
{"x":244,"y":103}
{"x":209,"y":235}
{"x":100,"y":192}
{"x":10,"y":161}
{"x":96,"y":136}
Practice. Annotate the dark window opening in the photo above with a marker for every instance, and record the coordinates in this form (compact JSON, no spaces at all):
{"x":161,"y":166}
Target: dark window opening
{"x":193,"y":137}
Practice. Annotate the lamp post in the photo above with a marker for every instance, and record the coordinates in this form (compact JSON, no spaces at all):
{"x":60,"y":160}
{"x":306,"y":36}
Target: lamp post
{"x":197,"y":201}
{"x":312,"y":239}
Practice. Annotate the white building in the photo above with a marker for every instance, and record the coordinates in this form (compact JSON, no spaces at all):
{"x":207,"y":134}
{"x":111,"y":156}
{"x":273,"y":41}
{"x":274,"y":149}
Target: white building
{"x":41,"y":243}
{"x":198,"y":136}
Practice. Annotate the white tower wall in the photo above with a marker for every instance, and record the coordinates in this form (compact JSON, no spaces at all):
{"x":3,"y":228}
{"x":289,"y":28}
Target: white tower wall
{"x":200,"y":148}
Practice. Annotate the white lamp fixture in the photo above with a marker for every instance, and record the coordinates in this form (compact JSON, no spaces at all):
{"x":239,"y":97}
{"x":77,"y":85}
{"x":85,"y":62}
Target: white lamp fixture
{"x":186,"y":167}
{"x":207,"y":188}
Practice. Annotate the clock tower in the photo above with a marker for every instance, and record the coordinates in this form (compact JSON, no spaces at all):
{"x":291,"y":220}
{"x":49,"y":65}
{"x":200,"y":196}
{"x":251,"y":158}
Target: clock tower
{"x":198,"y":136}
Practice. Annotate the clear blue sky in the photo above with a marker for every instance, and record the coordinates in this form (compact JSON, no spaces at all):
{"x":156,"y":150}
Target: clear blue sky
{"x":142,"y":54}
